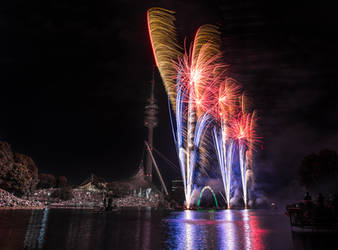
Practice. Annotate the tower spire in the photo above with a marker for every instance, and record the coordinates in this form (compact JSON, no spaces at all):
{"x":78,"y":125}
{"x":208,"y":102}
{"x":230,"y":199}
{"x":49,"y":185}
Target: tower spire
{"x":150,"y":121}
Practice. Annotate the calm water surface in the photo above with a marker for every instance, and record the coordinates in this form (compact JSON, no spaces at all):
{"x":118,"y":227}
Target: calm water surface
{"x":151,"y":229}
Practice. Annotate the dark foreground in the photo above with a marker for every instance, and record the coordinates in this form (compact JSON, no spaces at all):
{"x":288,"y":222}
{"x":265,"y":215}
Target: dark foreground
{"x":150,"y":229}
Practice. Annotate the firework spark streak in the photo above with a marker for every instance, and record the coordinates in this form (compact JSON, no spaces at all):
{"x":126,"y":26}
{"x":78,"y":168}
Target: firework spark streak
{"x":166,"y":49}
{"x":242,"y":163}
{"x":194,"y":82}
{"x":202,"y":96}
{"x":230,"y":156}
{"x":219,"y":145}
{"x":242,"y":130}
{"x":188,"y":151}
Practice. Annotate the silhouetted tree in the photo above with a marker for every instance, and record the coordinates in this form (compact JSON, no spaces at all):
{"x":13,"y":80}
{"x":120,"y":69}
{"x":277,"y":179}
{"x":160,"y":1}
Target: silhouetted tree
{"x":18,"y":180}
{"x":46,"y":181}
{"x":30,"y":164}
{"x":18,"y":172}
{"x":316,"y":168}
{"x":62,"y":181}
{"x":6,"y":162}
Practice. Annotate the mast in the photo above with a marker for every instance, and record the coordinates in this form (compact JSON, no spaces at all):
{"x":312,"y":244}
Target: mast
{"x":150,"y":121}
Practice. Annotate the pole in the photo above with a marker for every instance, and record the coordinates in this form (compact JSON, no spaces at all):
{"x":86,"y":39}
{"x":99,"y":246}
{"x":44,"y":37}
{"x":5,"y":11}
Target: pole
{"x":156,"y":167}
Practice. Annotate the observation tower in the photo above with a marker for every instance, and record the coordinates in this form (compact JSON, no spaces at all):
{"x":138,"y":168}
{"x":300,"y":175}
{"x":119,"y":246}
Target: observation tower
{"x":150,"y":121}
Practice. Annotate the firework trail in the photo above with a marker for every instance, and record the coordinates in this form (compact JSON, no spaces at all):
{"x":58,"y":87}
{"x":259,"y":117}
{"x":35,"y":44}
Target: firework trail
{"x":226,"y":103}
{"x":188,"y":134}
{"x":166,"y":49}
{"x":225,"y":171}
{"x":197,"y":71}
{"x":243,"y":132}
{"x":225,"y":153}
{"x":243,"y":167}
{"x":201,"y":96}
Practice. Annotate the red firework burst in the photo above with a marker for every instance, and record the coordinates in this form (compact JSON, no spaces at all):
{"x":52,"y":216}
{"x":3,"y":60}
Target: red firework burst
{"x":242,"y":129}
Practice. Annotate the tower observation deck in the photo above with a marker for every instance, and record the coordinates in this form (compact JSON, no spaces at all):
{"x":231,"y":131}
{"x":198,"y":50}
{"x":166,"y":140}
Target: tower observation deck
{"x":150,"y":122}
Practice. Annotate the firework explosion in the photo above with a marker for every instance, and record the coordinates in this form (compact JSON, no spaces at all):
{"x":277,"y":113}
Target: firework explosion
{"x":203,"y":98}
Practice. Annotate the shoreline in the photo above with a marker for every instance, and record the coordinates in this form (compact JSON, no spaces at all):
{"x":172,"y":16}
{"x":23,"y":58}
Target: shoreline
{"x":55,"y":206}
{"x":98,"y":208}
{"x":23,"y":208}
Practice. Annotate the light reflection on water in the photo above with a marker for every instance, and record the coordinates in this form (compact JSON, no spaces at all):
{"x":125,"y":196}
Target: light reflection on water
{"x":149,"y":229}
{"x":226,"y":229}
{"x":36,"y":229}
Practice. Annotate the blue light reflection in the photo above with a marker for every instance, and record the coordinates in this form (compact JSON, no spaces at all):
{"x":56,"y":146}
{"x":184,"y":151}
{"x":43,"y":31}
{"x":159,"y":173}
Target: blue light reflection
{"x":226,"y":229}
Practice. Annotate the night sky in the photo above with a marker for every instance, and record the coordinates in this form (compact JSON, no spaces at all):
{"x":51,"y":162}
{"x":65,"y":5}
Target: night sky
{"x":75,"y":76}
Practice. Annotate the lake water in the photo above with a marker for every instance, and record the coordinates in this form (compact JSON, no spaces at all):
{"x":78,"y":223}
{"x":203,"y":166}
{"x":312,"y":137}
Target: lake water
{"x":152,"y":229}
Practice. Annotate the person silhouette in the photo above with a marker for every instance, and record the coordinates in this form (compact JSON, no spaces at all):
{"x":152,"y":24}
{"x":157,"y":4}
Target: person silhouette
{"x":307,"y":197}
{"x":320,"y":200}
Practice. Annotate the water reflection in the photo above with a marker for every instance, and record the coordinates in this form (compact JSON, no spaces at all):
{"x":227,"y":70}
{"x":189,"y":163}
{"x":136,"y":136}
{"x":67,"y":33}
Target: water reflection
{"x":79,"y":231}
{"x":149,"y":229}
{"x":143,"y":228}
{"x":314,"y":241}
{"x":43,"y":228}
{"x":189,"y":230}
{"x":36,"y":229}
{"x":247,"y":230}
{"x":227,"y":229}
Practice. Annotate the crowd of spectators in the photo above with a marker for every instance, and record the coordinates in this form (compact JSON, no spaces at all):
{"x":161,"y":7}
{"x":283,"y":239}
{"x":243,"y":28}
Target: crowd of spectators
{"x":84,"y":198}
{"x":8,"y":200}
{"x":140,"y":199}
{"x":79,"y":198}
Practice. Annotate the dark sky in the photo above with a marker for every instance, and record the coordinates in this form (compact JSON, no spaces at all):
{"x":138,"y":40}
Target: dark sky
{"x":75,"y":76}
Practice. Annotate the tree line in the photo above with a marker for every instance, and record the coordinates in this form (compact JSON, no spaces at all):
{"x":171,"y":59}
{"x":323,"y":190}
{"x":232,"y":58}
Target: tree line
{"x":19,"y":173}
{"x":319,"y":169}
